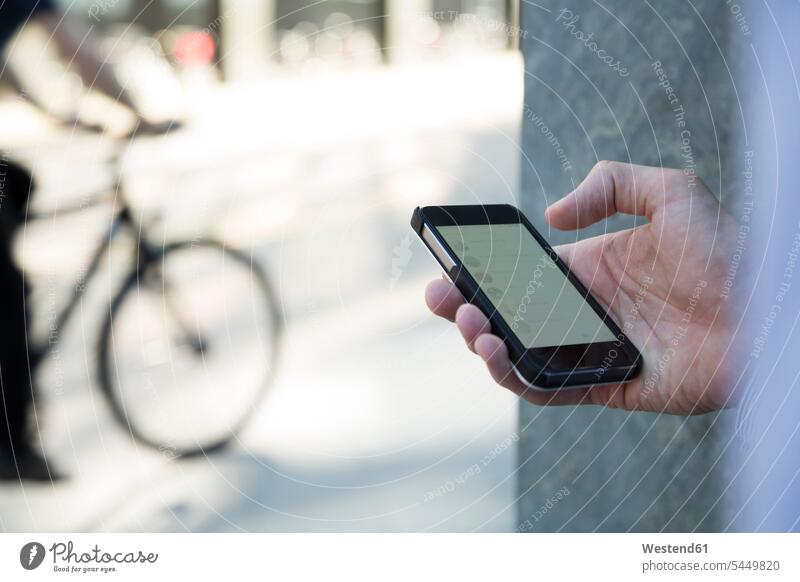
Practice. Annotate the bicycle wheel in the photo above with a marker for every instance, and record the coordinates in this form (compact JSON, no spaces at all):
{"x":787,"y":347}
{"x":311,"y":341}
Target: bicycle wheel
{"x":189,"y":347}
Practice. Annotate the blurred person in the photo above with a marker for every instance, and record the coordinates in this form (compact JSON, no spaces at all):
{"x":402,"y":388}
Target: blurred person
{"x":18,"y":458}
{"x":766,"y":468}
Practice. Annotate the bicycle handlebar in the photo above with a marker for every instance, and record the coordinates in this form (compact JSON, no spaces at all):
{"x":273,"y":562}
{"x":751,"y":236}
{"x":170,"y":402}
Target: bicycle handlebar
{"x":141,"y":130}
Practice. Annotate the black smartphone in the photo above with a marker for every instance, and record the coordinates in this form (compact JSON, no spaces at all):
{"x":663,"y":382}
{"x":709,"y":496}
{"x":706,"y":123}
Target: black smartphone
{"x":558,"y":335}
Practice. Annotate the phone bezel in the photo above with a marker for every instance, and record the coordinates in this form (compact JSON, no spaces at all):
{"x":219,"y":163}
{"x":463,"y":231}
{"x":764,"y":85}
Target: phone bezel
{"x":575,"y":365}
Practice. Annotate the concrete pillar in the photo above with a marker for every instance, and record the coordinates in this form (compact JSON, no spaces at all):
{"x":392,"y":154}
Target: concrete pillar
{"x":592,"y":92}
{"x":402,"y":44}
{"x":248,"y":38}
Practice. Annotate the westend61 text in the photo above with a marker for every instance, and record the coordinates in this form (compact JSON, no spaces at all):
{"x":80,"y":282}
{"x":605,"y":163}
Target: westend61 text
{"x":673,"y":549}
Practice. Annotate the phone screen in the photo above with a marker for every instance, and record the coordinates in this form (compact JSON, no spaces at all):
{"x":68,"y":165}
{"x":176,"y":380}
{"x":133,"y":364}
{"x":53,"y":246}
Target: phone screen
{"x":531,"y":293}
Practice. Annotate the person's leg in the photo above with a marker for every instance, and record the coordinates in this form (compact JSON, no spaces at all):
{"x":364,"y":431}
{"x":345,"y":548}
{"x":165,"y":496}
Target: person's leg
{"x":15,"y":383}
{"x":17,"y":459}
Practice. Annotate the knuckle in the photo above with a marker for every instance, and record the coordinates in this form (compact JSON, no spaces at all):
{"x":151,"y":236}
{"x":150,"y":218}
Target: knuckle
{"x":603,"y":166}
{"x":677,"y":183}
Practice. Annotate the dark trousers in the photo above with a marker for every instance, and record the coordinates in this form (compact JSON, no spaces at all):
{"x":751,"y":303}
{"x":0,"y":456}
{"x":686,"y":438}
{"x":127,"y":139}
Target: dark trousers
{"x":16,"y":389}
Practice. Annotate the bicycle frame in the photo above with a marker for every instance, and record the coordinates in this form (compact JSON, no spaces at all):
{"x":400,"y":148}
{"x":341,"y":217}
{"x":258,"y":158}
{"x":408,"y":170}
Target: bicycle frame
{"x":145,"y":252}
{"x":150,"y":269}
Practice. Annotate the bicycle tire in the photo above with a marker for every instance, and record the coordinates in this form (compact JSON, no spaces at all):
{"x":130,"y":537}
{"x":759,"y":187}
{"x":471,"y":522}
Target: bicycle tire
{"x":107,"y":364}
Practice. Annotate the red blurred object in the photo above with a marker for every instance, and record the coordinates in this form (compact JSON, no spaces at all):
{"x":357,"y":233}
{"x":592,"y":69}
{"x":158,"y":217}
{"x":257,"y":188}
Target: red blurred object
{"x":196,"y":47}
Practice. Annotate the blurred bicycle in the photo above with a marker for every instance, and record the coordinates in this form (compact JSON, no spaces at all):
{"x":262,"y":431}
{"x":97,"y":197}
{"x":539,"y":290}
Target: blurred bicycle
{"x":190,"y":340}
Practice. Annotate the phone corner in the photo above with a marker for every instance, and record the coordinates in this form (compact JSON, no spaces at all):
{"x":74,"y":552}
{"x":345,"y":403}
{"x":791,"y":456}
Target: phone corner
{"x":416,"y":219}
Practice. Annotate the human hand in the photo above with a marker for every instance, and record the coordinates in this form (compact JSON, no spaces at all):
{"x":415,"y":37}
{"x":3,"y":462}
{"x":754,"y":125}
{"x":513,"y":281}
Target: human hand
{"x":662,"y":282}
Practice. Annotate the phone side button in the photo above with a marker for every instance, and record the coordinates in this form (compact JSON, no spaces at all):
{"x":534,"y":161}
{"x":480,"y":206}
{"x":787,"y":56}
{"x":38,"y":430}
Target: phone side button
{"x":437,"y":249}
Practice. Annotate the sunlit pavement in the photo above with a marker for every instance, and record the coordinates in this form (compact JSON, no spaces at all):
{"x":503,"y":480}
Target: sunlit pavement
{"x":379,"y":418}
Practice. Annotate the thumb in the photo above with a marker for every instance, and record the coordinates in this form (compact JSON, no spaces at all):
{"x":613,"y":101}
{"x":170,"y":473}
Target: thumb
{"x":609,"y":188}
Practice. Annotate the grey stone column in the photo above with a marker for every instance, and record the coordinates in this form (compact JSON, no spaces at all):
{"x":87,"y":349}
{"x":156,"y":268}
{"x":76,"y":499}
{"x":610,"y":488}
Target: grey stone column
{"x":597,"y":87}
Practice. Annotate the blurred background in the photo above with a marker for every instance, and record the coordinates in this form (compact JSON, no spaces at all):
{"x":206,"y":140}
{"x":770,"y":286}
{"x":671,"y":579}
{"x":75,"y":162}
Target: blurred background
{"x":311,"y":129}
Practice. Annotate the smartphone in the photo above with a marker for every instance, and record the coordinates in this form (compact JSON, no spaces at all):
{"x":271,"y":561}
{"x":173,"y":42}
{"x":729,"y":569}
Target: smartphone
{"x":558,"y":335}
